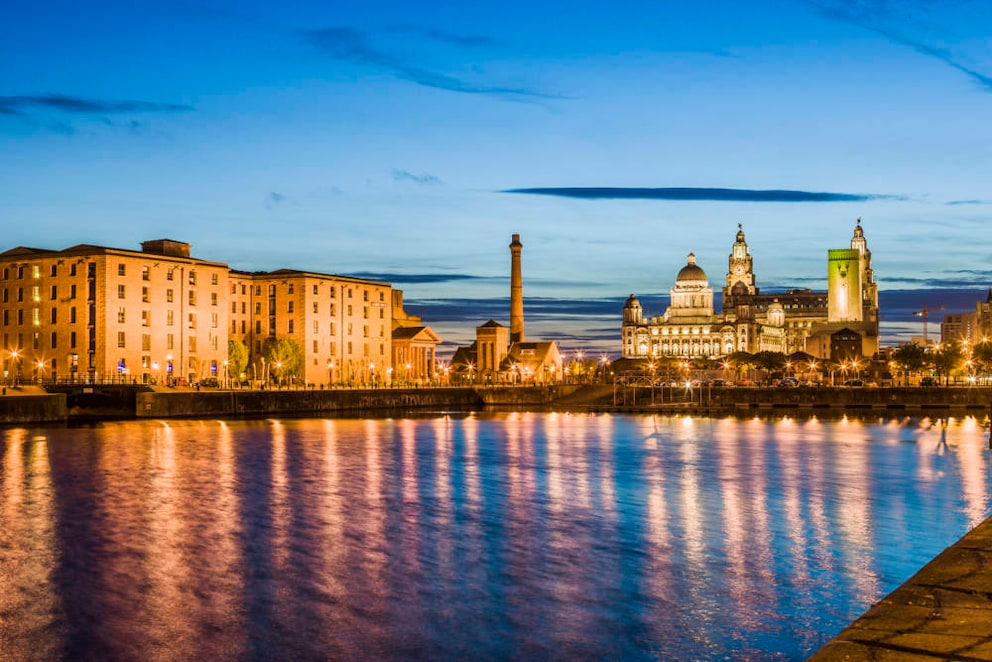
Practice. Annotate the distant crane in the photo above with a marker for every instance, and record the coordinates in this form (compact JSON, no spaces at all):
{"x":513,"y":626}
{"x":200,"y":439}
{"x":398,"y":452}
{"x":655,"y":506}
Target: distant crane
{"x":924,"y":314}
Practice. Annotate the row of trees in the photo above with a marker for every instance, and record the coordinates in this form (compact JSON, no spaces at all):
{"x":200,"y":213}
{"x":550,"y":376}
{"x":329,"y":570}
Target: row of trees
{"x":281,"y":359}
{"x":942,"y":362}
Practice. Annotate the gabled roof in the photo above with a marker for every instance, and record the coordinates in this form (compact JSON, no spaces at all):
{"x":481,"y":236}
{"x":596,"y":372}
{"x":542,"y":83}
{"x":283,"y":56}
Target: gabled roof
{"x":490,"y":324}
{"x":422,"y":333}
{"x":24,"y":250}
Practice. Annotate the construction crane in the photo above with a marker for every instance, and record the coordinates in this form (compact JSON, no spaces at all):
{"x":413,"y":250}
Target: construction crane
{"x":924,"y":314}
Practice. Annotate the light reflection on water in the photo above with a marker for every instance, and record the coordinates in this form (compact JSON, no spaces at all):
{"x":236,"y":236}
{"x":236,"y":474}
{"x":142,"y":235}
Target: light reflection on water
{"x":516,"y":535}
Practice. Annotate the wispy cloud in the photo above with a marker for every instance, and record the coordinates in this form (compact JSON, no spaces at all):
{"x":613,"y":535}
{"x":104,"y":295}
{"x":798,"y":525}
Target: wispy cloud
{"x":442,"y":36}
{"x":694,"y":194}
{"x":400,"y":175}
{"x":878,"y":17}
{"x":275,"y":199}
{"x":401,"y":278}
{"x":347,"y":44}
{"x":968,"y":202}
{"x":18,"y":105}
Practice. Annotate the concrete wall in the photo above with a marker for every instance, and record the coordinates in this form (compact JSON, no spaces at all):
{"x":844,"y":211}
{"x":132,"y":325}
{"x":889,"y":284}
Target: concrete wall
{"x":974,"y":399}
{"x":317,"y":402}
{"x":255,"y":403}
{"x":15,"y":409}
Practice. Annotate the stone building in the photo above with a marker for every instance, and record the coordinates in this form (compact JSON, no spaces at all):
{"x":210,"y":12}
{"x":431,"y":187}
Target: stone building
{"x":343,"y":324}
{"x":92,"y":312}
{"x":502,"y":355}
{"x":796,"y":320}
{"x":161,"y":316}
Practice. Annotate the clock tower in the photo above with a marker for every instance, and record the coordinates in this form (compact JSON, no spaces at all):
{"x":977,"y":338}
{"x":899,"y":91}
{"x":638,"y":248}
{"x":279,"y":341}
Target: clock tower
{"x":740,"y":274}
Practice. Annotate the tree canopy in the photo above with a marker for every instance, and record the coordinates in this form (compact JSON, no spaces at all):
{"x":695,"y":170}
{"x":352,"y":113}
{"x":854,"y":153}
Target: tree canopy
{"x":284,"y":356}
{"x":237,"y":359}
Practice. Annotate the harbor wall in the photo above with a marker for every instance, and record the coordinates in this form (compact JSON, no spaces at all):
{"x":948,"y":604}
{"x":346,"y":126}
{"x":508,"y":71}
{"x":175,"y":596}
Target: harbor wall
{"x":196,"y":404}
{"x":18,"y":409}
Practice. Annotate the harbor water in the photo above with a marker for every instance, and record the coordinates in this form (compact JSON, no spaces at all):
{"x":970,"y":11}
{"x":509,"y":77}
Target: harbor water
{"x":492,"y":536}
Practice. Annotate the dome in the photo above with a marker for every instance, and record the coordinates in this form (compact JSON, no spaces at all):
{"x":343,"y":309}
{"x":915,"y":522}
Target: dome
{"x":690,"y":271}
{"x":632,"y":302}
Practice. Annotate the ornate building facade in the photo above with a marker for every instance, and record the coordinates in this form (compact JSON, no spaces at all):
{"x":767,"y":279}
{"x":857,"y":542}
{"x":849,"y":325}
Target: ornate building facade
{"x":791,"y":321}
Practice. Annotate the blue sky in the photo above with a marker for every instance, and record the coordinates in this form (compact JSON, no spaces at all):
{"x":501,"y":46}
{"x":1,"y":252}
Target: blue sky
{"x":385,"y":138}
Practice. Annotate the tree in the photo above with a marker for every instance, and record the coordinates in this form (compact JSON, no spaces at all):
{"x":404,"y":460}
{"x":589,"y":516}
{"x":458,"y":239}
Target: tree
{"x":769,"y":362}
{"x":740,"y":361}
{"x":237,"y":359}
{"x":946,"y":358}
{"x":284,"y":356}
{"x":981,"y":358}
{"x":910,"y":359}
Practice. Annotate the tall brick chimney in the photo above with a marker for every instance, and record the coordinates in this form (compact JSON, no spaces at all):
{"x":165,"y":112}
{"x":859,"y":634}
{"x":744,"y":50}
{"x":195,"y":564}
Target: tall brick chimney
{"x":516,"y":292}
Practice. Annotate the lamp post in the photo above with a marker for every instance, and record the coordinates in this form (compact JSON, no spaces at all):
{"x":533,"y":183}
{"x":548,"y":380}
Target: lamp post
{"x":226,"y":384}
{"x":330,"y":373}
{"x":16,"y":357}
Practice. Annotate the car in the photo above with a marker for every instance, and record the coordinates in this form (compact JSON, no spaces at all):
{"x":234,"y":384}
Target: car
{"x":209,"y":382}
{"x":928,"y":381}
{"x":788,"y":382}
{"x":854,"y":382}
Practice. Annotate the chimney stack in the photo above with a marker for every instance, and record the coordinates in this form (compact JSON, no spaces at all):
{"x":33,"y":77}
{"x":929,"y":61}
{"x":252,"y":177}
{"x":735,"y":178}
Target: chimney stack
{"x":516,"y":292}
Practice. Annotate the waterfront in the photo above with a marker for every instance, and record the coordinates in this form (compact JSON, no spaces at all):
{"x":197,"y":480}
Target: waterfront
{"x":524,"y":535}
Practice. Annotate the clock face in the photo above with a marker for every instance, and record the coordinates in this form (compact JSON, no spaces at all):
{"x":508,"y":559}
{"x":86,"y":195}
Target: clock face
{"x":738,"y":269}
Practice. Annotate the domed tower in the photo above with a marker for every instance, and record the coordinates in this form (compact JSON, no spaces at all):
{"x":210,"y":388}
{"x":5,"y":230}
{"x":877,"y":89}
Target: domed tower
{"x":740,"y":274}
{"x":692,"y":295}
{"x":632,"y":311}
{"x":633,"y":319}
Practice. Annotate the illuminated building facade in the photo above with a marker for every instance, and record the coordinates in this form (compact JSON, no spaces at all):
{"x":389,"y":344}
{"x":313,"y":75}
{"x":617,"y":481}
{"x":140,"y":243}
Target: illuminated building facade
{"x":157,"y":315}
{"x":502,"y":355}
{"x":344,"y":325}
{"x":91,"y":312}
{"x":793,"y":321}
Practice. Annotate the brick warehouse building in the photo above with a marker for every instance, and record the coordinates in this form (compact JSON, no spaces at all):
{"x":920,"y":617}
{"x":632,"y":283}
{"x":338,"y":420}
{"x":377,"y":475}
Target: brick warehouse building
{"x":159,"y":315}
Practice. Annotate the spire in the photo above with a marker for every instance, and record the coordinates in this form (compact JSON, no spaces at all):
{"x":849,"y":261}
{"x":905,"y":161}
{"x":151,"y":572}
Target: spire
{"x":691,"y":259}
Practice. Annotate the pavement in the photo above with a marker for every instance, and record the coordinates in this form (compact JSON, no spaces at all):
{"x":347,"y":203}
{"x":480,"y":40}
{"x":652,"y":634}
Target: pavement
{"x":943,"y":612}
{"x":24,"y":389}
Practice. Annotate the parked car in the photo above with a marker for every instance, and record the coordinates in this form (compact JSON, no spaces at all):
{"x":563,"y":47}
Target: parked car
{"x":788,"y":382}
{"x":928,"y":381}
{"x":209,"y":382}
{"x":854,"y":382}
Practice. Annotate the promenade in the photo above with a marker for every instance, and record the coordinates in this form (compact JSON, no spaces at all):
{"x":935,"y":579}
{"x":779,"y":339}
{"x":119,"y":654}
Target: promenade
{"x":943,"y":612}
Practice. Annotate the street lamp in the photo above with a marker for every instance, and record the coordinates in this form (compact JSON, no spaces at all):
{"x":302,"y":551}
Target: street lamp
{"x":330,"y":373}
{"x":15,"y":355}
{"x":225,"y":374}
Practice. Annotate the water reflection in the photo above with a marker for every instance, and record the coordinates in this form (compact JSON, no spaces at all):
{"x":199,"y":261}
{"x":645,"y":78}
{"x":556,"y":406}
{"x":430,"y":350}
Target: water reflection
{"x":518,"y":535}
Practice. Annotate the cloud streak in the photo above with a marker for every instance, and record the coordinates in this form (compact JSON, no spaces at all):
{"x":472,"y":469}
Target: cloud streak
{"x":875,"y":16}
{"x":346,"y":44}
{"x":400,"y":175}
{"x":418,"y":278}
{"x":17,"y":105}
{"x":444,"y":37}
{"x":700,"y":194}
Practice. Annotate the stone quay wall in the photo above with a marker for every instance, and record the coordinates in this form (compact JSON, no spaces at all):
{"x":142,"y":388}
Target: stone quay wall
{"x":20,"y":409}
{"x":199,"y":404}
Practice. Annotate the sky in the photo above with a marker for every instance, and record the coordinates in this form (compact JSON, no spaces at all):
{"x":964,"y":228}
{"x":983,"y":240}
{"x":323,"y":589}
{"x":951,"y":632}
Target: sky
{"x":407,"y":141}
